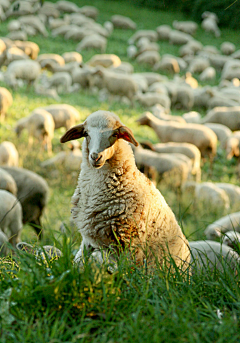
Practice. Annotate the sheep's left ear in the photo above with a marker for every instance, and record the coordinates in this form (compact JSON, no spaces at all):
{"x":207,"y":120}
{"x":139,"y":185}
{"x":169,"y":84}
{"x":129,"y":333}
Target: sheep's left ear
{"x":74,"y":133}
{"x":125,"y":133}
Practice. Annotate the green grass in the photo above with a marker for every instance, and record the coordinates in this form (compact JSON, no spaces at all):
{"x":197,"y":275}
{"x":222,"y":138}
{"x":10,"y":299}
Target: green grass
{"x":59,"y":303}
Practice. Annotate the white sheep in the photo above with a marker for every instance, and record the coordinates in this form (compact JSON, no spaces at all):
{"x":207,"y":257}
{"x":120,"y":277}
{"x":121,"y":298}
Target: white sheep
{"x":163,"y":32}
{"x":7,"y":182}
{"x":50,"y":59}
{"x":209,"y":255}
{"x":192,"y":117}
{"x":117,"y":84}
{"x":6,"y":101}
{"x":189,"y":27}
{"x":10,"y":216}
{"x":8,"y":154}
{"x":223,"y":225}
{"x":150,"y":34}
{"x":32,"y":193}
{"x":209,"y":23}
{"x":122,"y":22}
{"x":35,"y":22}
{"x":104,"y":60}
{"x":150,"y":99}
{"x":208,"y":74}
{"x":173,"y":168}
{"x":31,"y":49}
{"x":227,"y":48}
{"x":206,"y":194}
{"x":228,"y":116}
{"x":231,"y":239}
{"x":27,"y":70}
{"x":72,"y":56}
{"x":67,"y":6}
{"x":204,"y":138}
{"x":93,"y":41}
{"x":39,"y":124}
{"x":223,"y":133}
{"x":190,"y":150}
{"x":233,"y":192}
{"x":61,"y":81}
{"x":179,"y":38}
{"x":70,"y":160}
{"x":121,"y":206}
{"x":64,"y":115}
{"x":148,"y":57}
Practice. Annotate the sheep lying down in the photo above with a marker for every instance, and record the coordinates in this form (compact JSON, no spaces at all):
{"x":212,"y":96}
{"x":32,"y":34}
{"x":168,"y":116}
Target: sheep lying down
{"x":114,"y":205}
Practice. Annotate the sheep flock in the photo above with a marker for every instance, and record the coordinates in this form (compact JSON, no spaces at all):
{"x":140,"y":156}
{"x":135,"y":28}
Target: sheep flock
{"x":186,"y":118}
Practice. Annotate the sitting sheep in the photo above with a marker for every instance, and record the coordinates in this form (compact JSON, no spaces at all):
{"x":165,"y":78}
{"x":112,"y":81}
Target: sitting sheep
{"x":39,"y":124}
{"x":32,"y":194}
{"x":10,"y":216}
{"x":7,"y":182}
{"x":122,"y":22}
{"x":122,"y":208}
{"x":6,"y":101}
{"x":64,"y":115}
{"x":27,"y":70}
{"x":204,"y":138}
{"x":8,"y":154}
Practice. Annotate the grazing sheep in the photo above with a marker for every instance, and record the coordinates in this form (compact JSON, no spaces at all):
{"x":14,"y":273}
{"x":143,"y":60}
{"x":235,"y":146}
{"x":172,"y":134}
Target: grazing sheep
{"x":223,"y":225}
{"x":209,"y":255}
{"x":223,"y":133}
{"x":7,"y":182}
{"x":31,"y":49}
{"x":232,"y":239}
{"x":198,"y":65}
{"x":10,"y":216}
{"x":122,"y":22}
{"x":188,"y":27}
{"x":168,"y":64}
{"x":228,"y":116}
{"x":66,"y":7}
{"x":208,"y":74}
{"x":35,"y":22}
{"x":50,"y":59}
{"x":159,"y":112}
{"x":149,"y":57}
{"x":8,"y":154}
{"x":104,"y":60}
{"x":32,"y":193}
{"x":204,"y":138}
{"x":150,"y":34}
{"x":89,"y":11}
{"x":94,"y":41}
{"x":163,"y":32}
{"x":121,"y":206}
{"x":233,"y":192}
{"x":227,"y":48}
{"x":179,"y":38}
{"x":39,"y":124}
{"x":27,"y":70}
{"x":152,"y":98}
{"x":117,"y":84}
{"x":70,"y":160}
{"x":82,"y":76}
{"x":6,"y":101}
{"x":72,"y":56}
{"x":209,"y":23}
{"x":14,"y":54}
{"x":17,"y":35}
{"x":190,"y":150}
{"x":192,"y":117}
{"x":61,"y":81}
{"x":207,"y":195}
{"x":64,"y":115}
{"x":173,"y":168}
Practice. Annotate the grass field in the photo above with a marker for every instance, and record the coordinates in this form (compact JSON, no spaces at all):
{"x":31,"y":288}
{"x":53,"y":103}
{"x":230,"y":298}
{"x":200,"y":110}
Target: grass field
{"x":57,"y":302}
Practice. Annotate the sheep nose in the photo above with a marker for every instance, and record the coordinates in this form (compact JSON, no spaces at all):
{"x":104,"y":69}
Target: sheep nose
{"x":95,"y":157}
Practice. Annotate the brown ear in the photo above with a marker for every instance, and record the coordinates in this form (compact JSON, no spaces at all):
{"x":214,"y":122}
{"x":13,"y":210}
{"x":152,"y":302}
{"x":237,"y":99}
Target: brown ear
{"x":74,"y":133}
{"x":126,"y":134}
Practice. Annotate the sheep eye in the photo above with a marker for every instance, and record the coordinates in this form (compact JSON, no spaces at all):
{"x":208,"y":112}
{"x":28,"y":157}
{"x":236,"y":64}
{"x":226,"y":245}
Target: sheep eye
{"x":85,"y":134}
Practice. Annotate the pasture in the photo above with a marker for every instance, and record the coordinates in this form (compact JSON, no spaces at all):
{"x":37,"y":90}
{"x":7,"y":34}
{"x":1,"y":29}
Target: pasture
{"x":52,"y":301}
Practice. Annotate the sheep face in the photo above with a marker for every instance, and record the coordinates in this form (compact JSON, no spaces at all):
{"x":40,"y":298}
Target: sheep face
{"x":101,"y":130}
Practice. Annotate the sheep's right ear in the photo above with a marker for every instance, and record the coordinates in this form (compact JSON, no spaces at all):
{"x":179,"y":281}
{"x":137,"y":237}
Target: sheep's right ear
{"x":74,"y":133}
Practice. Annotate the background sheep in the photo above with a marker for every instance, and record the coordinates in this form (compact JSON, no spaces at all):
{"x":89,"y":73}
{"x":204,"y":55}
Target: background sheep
{"x":39,"y":124}
{"x":7,"y":182}
{"x":108,"y":159}
{"x":10,"y":216}
{"x":122,"y":22}
{"x":223,"y":225}
{"x":5,"y":102}
{"x":8,"y":154}
{"x":32,"y":193}
{"x":24,"y":70}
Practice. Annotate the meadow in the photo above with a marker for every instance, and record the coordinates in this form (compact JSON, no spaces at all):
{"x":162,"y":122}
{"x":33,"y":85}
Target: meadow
{"x":54,"y":301}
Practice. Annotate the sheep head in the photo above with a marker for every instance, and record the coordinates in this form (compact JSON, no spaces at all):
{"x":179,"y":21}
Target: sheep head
{"x":102,"y":129}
